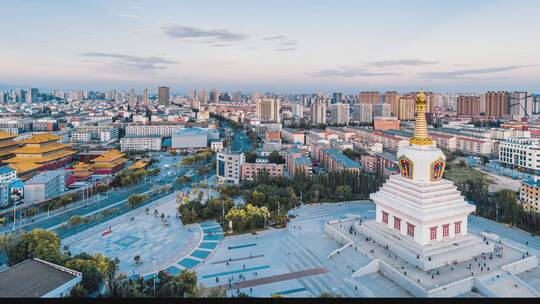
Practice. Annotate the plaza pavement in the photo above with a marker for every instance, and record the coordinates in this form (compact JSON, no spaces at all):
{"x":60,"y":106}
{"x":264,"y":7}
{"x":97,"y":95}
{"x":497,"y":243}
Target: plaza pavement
{"x":138,"y":233}
{"x":291,"y":261}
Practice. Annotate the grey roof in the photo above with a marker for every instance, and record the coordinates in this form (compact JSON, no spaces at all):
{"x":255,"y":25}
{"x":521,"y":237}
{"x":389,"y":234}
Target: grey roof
{"x":44,"y":177}
{"x":31,"y":279}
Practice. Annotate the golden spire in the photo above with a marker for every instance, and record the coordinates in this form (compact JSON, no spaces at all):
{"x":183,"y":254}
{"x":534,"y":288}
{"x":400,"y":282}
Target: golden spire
{"x":420,"y":136}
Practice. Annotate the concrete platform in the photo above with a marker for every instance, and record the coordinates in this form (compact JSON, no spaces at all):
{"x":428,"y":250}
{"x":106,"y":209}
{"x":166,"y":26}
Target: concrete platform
{"x":443,"y":253}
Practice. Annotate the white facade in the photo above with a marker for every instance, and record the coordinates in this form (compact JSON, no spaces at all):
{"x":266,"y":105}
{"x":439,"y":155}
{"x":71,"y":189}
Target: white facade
{"x":318,"y":113}
{"x":520,"y":153}
{"x":161,"y":130}
{"x":229,"y":167}
{"x":108,"y":135}
{"x":293,"y":136}
{"x":44,"y":186}
{"x":141,"y":143}
{"x":216,"y":145}
{"x":81,"y":136}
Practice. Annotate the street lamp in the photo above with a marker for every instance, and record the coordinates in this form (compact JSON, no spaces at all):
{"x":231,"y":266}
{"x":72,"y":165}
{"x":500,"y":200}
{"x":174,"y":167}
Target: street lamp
{"x":154,"y":263}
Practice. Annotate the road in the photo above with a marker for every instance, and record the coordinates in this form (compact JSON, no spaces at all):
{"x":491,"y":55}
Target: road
{"x":166,"y":176}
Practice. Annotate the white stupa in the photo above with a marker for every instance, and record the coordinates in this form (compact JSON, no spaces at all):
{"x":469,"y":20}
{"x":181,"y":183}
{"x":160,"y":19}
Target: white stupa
{"x":419,"y":215}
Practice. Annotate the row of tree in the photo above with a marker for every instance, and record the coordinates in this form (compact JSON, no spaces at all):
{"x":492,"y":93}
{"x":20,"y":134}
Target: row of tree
{"x":195,"y":211}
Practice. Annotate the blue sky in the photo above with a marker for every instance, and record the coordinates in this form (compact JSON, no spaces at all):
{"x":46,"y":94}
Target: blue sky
{"x":283,"y":46}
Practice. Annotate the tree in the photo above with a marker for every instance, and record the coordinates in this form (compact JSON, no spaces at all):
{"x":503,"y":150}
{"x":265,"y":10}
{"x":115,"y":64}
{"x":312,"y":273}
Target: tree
{"x":344,"y":193}
{"x":135,"y":200}
{"x":76,"y":220}
{"x":251,"y":157}
{"x":95,"y":268}
{"x":38,"y":243}
{"x":275,"y":158}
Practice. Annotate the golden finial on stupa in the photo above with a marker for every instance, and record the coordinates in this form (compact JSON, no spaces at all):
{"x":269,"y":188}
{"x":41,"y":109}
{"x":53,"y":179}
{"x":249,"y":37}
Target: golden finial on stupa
{"x":420,"y":136}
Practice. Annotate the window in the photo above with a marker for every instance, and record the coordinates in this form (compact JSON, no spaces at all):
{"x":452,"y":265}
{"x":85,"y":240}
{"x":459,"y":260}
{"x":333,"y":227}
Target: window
{"x":457,"y":227}
{"x":385,"y":217}
{"x":397,"y":223}
{"x":410,"y":229}
{"x":433,"y":233}
{"x":445,"y":230}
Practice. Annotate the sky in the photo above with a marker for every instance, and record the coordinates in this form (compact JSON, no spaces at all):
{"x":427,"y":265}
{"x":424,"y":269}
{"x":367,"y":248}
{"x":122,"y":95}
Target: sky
{"x":292,"y":46}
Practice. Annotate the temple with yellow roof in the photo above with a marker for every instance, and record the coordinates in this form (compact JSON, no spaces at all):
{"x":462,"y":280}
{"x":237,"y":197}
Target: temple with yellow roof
{"x":109,"y":162}
{"x":7,"y":145}
{"x":82,"y":171}
{"x":41,"y":151}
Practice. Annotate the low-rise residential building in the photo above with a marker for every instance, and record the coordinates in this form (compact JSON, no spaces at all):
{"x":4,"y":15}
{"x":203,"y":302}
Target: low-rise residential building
{"x":229,"y":167}
{"x":529,"y":194}
{"x":250,"y":171}
{"x":293,"y":136}
{"x":384,"y":123}
{"x":44,"y":186}
{"x":341,"y":145}
{"x":81,"y":136}
{"x":333,"y":160}
{"x":140,"y":143}
{"x":216,"y":145}
{"x":163,"y":130}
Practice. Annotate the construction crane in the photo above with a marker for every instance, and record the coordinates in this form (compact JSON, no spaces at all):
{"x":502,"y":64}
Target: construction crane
{"x":524,"y":104}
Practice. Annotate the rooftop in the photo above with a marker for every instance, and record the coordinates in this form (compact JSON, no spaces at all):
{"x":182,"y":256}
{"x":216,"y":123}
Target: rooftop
{"x":109,"y":156}
{"x":6,"y":170}
{"x":33,"y":278}
{"x":41,"y":138}
{"x":342,"y":158}
{"x":43,"y":177}
{"x":142,"y":136}
{"x":190,"y":132}
{"x":531,"y":181}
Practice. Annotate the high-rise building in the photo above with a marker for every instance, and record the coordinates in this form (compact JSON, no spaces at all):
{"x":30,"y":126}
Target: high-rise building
{"x":163,"y":93}
{"x":362,"y":112}
{"x":31,"y":95}
{"x":337,"y":97}
{"x":298,"y":110}
{"x":468,"y":105}
{"x":339,"y":113}
{"x":132,"y":97}
{"x":382,"y":110}
{"x":145,"y":97}
{"x":214,"y":96}
{"x":391,"y":98}
{"x":497,"y":104}
{"x":203,"y":97}
{"x":268,"y":110}
{"x":521,"y":105}
{"x":237,"y":97}
{"x":318,"y":113}
{"x":372,"y":97}
{"x":406,"y":106}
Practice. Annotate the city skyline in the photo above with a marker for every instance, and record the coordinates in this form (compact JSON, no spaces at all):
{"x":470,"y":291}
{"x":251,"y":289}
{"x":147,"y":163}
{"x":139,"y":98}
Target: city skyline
{"x":294,"y":47}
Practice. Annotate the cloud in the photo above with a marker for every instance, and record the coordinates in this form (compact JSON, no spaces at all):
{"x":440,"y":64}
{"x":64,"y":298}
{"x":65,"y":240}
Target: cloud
{"x":401,"y":62}
{"x":214,"y":36}
{"x":349,"y":72}
{"x":143,"y":63}
{"x":285,"y":49}
{"x":277,"y":37}
{"x":470,"y":74}
{"x":136,"y":7}
{"x":128,"y":16}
